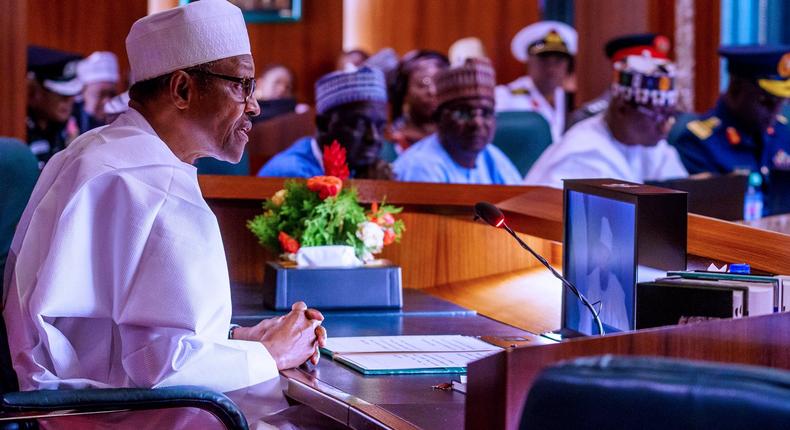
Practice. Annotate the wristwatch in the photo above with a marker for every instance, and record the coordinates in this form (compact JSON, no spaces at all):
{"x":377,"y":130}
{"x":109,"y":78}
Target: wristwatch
{"x":230,"y":330}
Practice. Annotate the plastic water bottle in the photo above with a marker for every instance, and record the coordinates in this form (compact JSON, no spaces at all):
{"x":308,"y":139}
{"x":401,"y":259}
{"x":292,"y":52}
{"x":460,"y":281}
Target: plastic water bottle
{"x":753,"y":202}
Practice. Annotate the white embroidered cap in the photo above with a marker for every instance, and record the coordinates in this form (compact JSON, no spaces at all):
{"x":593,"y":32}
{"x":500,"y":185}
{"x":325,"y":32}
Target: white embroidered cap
{"x":101,"y":66}
{"x":186,"y":36}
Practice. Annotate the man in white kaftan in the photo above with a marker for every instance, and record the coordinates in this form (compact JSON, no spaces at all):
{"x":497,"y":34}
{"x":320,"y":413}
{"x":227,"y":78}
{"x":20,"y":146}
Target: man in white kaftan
{"x":626,"y":141}
{"x":117,"y":275}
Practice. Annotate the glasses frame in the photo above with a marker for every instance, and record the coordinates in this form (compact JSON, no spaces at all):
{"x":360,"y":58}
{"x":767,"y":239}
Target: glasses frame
{"x":247,"y":84}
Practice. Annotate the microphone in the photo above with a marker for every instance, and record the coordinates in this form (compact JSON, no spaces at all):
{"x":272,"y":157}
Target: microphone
{"x":495,"y":218}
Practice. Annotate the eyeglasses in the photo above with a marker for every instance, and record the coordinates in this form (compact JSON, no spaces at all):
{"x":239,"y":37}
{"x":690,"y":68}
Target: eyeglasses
{"x":464,"y":114}
{"x":247,"y":84}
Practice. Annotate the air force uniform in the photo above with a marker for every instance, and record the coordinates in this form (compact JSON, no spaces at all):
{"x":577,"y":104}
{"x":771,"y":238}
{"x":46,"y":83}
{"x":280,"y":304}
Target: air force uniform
{"x":715,"y":142}
{"x":522,"y":95}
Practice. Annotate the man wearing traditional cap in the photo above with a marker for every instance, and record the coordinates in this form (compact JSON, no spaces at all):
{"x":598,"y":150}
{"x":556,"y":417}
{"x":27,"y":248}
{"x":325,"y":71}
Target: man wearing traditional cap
{"x":100,"y":76}
{"x":745,"y":130}
{"x":351,"y":108}
{"x":117,"y":275}
{"x":649,"y":44}
{"x":547,"y":47}
{"x":461,"y":151}
{"x":627,"y":140}
{"x":52,"y":85}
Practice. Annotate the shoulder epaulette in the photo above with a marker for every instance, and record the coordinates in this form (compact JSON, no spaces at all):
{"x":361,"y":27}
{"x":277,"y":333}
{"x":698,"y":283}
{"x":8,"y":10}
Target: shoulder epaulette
{"x":703,"y":128}
{"x":782,"y":119}
{"x":519,"y":91}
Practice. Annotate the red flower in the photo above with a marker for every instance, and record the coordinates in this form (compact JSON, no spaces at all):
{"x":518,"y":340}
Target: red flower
{"x":325,"y":186}
{"x":335,"y":161}
{"x":389,"y":236}
{"x":287,"y":243}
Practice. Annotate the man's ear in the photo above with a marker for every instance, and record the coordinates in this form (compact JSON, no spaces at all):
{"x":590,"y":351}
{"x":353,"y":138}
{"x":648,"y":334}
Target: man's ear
{"x":181,"y":89}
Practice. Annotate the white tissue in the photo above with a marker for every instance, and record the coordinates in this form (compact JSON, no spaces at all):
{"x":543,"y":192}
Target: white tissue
{"x":327,"y":256}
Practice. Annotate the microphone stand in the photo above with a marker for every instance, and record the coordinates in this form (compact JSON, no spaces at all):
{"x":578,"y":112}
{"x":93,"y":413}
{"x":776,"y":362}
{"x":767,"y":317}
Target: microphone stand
{"x":554,"y":272}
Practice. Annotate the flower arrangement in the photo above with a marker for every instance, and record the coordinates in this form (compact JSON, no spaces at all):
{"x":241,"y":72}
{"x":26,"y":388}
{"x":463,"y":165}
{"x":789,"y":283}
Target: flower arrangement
{"x":321,"y":212}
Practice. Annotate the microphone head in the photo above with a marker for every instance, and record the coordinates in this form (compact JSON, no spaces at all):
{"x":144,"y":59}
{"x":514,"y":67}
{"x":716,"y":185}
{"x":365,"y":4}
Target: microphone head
{"x":490,"y":214}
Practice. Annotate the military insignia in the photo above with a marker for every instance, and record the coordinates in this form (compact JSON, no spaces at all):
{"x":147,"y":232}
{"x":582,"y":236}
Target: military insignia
{"x":661,"y":43}
{"x":519,"y":91}
{"x":781,"y":160}
{"x":782,"y":119}
{"x":703,"y":129}
{"x":770,"y":130}
{"x":553,"y":37}
{"x":733,"y":136}
{"x":783,"y":67}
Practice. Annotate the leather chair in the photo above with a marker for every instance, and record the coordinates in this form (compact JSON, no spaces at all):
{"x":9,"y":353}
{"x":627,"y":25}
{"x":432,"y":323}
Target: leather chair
{"x":18,"y":174}
{"x":522,"y":136}
{"x":611,"y":392}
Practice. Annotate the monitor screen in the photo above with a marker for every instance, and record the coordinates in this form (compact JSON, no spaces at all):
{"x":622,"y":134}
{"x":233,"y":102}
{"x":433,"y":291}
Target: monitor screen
{"x":600,"y":261}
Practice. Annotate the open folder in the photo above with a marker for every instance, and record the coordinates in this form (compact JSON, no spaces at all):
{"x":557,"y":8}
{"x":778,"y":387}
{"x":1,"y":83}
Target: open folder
{"x":389,"y":355}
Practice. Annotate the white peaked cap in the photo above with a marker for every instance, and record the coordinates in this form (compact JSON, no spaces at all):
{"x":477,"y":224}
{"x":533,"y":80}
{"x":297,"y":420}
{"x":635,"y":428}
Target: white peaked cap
{"x":537,"y":32}
{"x":463,"y":49}
{"x":179,"y":38}
{"x":101,"y":66}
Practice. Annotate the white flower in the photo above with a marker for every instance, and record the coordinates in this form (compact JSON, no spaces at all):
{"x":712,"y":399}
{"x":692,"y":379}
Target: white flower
{"x":372,"y":236}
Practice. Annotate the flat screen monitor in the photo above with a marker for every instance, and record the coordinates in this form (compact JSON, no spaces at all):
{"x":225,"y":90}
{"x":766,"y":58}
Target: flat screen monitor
{"x":600,"y":262}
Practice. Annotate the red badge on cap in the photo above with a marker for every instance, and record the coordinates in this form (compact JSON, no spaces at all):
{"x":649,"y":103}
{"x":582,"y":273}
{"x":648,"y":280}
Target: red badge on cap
{"x":784,"y":66}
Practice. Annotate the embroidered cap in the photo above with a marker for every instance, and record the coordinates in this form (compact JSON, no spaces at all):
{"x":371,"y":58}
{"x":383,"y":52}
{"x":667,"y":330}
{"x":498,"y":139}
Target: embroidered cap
{"x":179,"y":38}
{"x":645,"y":81}
{"x":647,"y":44}
{"x":476,"y":78}
{"x":339,"y":88}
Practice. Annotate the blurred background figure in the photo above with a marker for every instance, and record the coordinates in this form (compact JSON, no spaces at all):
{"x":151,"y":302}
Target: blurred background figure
{"x":351,"y":108}
{"x":99,"y":75}
{"x":349,"y":60}
{"x":745,"y":130}
{"x":116,"y":106}
{"x":547,"y":47}
{"x":413,"y":97}
{"x":463,"y":49}
{"x":52,"y":85}
{"x":274,"y":92}
{"x":461,"y":151}
{"x":627,"y":140}
{"x":646,"y":44}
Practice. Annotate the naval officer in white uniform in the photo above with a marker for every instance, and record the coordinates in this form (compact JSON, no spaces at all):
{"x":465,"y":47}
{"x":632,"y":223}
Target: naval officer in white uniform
{"x":548,"y":48}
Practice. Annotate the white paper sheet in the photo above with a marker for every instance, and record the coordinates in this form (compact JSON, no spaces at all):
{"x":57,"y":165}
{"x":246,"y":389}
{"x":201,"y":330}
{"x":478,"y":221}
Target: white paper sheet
{"x":394,"y":344}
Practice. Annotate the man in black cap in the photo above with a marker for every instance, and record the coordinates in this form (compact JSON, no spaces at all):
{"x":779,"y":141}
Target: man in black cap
{"x":744,"y":131}
{"x":52,"y":85}
{"x":651,"y":44}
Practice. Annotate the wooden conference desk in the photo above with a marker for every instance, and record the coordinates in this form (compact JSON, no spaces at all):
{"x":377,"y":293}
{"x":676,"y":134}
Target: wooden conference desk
{"x":443,"y":248}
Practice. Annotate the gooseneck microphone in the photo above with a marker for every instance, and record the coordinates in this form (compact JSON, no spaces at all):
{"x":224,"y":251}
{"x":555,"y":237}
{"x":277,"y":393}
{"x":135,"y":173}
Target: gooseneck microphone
{"x":494,"y":217}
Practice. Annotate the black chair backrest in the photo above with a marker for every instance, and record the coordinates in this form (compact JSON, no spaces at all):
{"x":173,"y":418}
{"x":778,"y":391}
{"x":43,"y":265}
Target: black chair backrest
{"x":610,"y":392}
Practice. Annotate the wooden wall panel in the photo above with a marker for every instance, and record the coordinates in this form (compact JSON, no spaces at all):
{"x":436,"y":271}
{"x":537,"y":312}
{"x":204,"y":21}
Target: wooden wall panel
{"x":13,"y":91}
{"x":309,"y":47}
{"x":597,"y":22}
{"x":707,"y":38}
{"x":408,"y":24}
{"x":84,"y":26}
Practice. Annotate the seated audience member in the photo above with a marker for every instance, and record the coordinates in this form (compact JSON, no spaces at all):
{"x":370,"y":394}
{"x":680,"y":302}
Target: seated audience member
{"x":626,"y":141}
{"x":116,"y":106}
{"x":464,"y":49}
{"x":351,"y":60}
{"x":413,"y":97}
{"x":274,"y":92}
{"x":52,"y":84}
{"x":100,"y":76}
{"x":118,"y":276}
{"x":547,"y":47}
{"x":351,"y":108}
{"x":745,"y":130}
{"x":461,"y":151}
{"x":649,"y":44}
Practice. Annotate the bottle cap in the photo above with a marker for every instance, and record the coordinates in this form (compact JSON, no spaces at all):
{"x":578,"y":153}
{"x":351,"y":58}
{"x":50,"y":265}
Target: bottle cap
{"x":755,"y":179}
{"x":742,"y":268}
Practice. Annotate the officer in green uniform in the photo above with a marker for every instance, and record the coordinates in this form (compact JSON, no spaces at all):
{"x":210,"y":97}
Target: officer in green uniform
{"x":745,"y":130}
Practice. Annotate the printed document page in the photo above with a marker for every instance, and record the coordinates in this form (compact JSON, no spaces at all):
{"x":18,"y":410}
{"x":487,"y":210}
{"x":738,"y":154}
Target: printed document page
{"x":394,"y":344}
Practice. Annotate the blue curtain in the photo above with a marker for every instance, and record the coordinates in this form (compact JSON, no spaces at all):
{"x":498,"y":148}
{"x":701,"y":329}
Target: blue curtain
{"x":557,"y":10}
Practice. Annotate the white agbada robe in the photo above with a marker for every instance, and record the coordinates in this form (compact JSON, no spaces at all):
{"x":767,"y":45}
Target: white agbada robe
{"x":588,"y":150}
{"x":117,"y":276}
{"x":522,"y":94}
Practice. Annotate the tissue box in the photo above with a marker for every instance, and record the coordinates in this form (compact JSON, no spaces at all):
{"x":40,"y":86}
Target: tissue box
{"x":366,"y":287}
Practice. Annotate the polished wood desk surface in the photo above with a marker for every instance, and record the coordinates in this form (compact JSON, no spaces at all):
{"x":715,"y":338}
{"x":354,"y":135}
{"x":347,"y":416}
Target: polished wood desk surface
{"x":385,"y":401}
